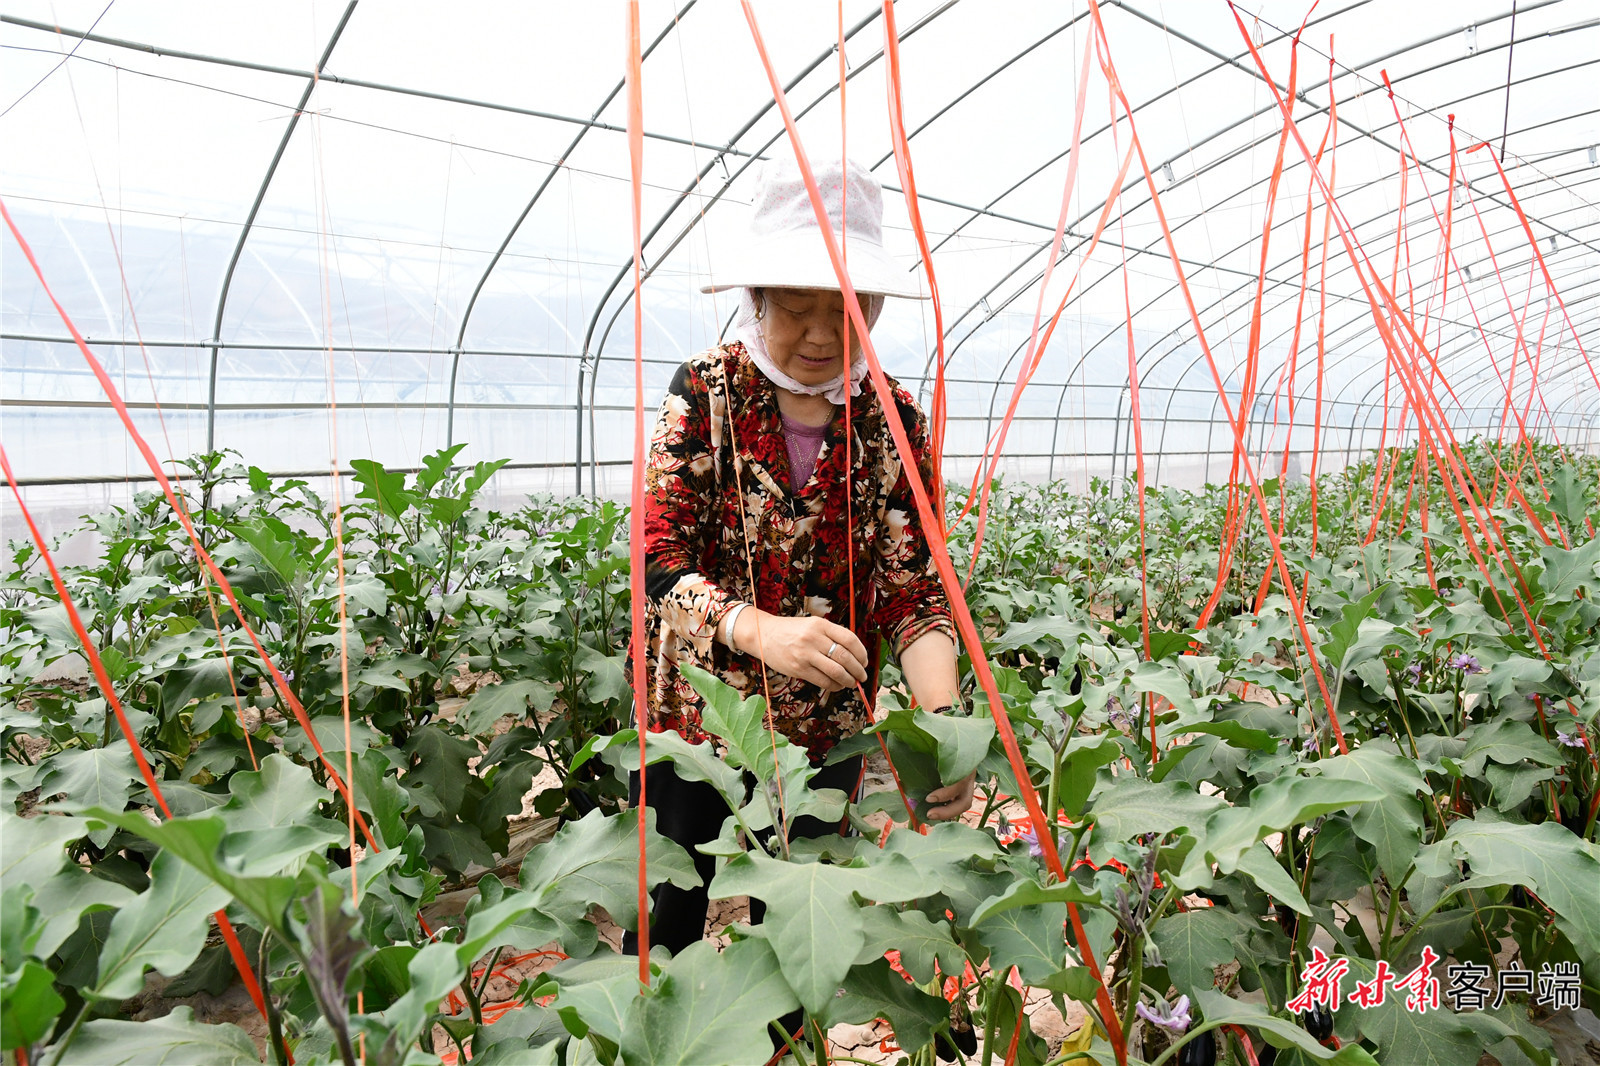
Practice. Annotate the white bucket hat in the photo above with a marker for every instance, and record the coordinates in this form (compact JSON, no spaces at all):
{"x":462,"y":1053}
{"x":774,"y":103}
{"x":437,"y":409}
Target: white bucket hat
{"x":785,"y":248}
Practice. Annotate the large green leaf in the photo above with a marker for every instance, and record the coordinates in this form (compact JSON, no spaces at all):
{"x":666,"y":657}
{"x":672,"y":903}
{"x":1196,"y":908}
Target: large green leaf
{"x":1080,"y":767}
{"x":799,"y":798}
{"x":709,"y":1008}
{"x":273,"y":817}
{"x":386,"y":490}
{"x":174,"y":1040}
{"x":195,"y":681}
{"x":1506,"y":741}
{"x":274,"y":542}
{"x":439,"y":761}
{"x":434,"y":972}
{"x":506,"y":699}
{"x":1516,"y":675}
{"x":28,"y":1005}
{"x":163,"y":929}
{"x":1528,"y":1044}
{"x":504,"y":916}
{"x":813,"y":920}
{"x":1031,"y":938}
{"x":692,"y":762}
{"x":1235,"y":733}
{"x":1565,"y":571}
{"x":942,"y":854}
{"x":607,"y":675}
{"x":594,"y":994}
{"x":1547,"y":858}
{"x":1279,"y":804}
{"x":1025,"y":892}
{"x":1194,"y":943}
{"x":874,"y":990}
{"x":595,"y":860}
{"x":35,"y":848}
{"x":1406,"y":1038}
{"x":920,"y":940}
{"x":197,"y":840}
{"x":63,"y":899}
{"x":92,"y":777}
{"x":1344,"y":633}
{"x":1394,"y":826}
{"x":1260,"y":865}
{"x":1132,"y":806}
{"x":739,"y":721}
{"x":963,"y":742}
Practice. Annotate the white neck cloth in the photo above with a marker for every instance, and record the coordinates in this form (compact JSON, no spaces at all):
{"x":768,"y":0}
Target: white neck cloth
{"x":747,"y":330}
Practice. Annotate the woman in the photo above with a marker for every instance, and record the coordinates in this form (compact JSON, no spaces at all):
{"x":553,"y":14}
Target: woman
{"x":758,"y":534}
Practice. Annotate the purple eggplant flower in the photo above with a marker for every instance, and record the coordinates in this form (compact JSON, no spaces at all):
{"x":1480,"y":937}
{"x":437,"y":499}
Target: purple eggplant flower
{"x":1574,"y":739}
{"x":1310,"y":744}
{"x":1174,"y":1018}
{"x":1118,"y":716}
{"x":1026,"y":834}
{"x":1415,"y":670}
{"x":1466,"y":664}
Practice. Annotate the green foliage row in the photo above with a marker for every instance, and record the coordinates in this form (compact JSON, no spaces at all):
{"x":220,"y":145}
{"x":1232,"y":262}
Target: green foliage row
{"x":1462,"y":819}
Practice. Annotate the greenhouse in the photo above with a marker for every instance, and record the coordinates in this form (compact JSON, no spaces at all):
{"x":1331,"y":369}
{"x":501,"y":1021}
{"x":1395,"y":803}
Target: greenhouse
{"x":719,"y":532}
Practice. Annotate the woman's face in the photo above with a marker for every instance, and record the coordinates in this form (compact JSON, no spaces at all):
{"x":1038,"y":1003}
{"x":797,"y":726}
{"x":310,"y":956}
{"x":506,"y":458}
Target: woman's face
{"x":804,"y":331}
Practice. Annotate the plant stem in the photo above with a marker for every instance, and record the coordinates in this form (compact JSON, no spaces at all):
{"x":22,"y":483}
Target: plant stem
{"x":488,"y":971}
{"x":72,"y":1034}
{"x":990,"y":1016}
{"x":280,"y":1050}
{"x":822,"y":1041}
{"x":788,"y":1038}
{"x":1135,"y":949}
{"x":1051,"y":797}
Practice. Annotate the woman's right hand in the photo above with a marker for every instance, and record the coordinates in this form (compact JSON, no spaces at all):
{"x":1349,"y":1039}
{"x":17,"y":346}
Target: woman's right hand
{"x":800,"y":648}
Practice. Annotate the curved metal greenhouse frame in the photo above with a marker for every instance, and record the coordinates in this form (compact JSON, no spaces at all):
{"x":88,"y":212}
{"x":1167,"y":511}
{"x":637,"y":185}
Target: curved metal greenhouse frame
{"x":988,"y":208}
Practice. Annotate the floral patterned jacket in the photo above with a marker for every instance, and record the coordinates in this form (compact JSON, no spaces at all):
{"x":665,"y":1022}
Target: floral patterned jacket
{"x":719,"y":432}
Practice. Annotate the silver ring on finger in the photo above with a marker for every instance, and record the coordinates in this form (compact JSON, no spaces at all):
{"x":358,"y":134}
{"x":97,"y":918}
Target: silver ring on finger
{"x":833,"y":648}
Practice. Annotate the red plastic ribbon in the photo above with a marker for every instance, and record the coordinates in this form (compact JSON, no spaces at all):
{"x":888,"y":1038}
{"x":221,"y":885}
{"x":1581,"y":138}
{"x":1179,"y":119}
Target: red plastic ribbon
{"x":641,"y":694}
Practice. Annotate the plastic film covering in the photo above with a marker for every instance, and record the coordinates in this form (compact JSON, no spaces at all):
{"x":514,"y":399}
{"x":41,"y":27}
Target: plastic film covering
{"x":439,"y":242}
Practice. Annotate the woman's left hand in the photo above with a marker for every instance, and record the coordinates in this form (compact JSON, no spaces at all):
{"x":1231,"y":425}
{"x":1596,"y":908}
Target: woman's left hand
{"x":950,"y":802}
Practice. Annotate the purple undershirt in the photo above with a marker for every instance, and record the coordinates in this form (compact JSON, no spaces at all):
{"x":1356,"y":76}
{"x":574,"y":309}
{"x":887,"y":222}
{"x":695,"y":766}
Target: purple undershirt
{"x":804,"y":443}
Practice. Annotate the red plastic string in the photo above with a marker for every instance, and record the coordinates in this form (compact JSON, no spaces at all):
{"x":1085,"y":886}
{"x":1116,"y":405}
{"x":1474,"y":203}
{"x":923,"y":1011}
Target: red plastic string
{"x":1036,"y":345}
{"x":279,"y":681}
{"x":1233,"y":519}
{"x":1544,"y":269}
{"x":925,"y":511}
{"x":1447,"y":225}
{"x":1291,"y":365}
{"x":97,"y":667}
{"x":1027,"y":369}
{"x":937,"y":415}
{"x":641,"y":694}
{"x":1216,"y":378}
{"x":1386,"y":314}
{"x":1136,"y":415}
{"x":1381,"y":301}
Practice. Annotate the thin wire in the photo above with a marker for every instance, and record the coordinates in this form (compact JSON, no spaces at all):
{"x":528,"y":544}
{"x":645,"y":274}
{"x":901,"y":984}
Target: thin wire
{"x":61,"y":63}
{"x":1511,"y":47}
{"x":289,"y":108}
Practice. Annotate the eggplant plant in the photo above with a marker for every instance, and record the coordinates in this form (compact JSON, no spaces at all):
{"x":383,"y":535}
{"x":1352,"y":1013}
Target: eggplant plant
{"x":1249,"y":888}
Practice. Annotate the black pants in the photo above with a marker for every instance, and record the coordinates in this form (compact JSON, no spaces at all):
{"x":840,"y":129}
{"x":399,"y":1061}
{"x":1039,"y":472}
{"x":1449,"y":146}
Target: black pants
{"x":692,"y":812}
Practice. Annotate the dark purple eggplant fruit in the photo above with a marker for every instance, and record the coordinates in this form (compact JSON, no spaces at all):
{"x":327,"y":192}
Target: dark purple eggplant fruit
{"x":1318,"y":1021}
{"x":1201,"y":1051}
